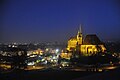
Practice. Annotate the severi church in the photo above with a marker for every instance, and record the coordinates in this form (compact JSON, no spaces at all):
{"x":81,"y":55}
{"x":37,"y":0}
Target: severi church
{"x":87,"y":46}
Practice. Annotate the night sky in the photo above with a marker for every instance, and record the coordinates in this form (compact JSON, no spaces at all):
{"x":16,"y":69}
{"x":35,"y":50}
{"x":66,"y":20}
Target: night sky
{"x":58,"y":20}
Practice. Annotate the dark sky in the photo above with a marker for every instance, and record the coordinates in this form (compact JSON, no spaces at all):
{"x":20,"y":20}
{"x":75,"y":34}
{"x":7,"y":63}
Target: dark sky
{"x":58,"y":20}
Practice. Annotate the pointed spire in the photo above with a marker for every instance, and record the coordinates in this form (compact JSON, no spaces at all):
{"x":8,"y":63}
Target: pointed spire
{"x":79,"y":35}
{"x":80,"y":28}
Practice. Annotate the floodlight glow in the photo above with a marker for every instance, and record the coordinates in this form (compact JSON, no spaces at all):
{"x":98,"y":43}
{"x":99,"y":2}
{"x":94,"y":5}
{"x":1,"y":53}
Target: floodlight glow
{"x":57,"y":50}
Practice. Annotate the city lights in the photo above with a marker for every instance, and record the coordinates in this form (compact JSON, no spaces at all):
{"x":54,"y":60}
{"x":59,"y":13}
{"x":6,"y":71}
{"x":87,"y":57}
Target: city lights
{"x":60,"y":40}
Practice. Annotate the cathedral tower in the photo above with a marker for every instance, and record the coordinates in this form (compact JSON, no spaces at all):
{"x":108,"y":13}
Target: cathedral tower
{"x":79,"y":35}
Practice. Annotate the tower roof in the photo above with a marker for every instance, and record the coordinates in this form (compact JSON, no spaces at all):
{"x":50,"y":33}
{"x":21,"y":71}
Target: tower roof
{"x":80,"y":29}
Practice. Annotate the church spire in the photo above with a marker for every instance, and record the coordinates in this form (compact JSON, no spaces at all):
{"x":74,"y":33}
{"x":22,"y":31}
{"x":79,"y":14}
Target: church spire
{"x":79,"y":35}
{"x":80,"y":28}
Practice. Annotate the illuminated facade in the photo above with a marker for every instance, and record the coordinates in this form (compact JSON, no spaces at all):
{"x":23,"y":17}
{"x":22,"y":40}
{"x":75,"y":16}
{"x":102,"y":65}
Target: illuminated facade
{"x":66,"y":55}
{"x":89,"y":46}
{"x":34,"y":53}
{"x":74,"y":41}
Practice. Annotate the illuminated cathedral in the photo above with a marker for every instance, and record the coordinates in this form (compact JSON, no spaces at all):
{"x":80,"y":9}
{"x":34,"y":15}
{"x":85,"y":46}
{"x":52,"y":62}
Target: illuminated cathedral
{"x":90,"y":45}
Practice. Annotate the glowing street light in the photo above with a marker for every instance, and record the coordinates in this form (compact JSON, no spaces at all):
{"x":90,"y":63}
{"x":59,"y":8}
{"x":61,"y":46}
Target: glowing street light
{"x":57,"y":50}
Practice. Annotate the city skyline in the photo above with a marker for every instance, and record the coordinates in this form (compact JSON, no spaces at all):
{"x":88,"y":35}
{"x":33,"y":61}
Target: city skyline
{"x":58,"y":20}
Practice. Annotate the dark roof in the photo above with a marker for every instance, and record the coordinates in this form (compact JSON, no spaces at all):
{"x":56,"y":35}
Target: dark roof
{"x":91,"y":39}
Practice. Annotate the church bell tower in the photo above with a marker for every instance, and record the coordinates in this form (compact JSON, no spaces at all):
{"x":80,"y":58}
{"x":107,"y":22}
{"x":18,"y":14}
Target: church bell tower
{"x":80,"y":36}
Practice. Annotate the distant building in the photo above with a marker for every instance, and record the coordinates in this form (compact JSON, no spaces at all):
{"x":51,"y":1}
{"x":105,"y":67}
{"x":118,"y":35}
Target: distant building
{"x":88,"y":46}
